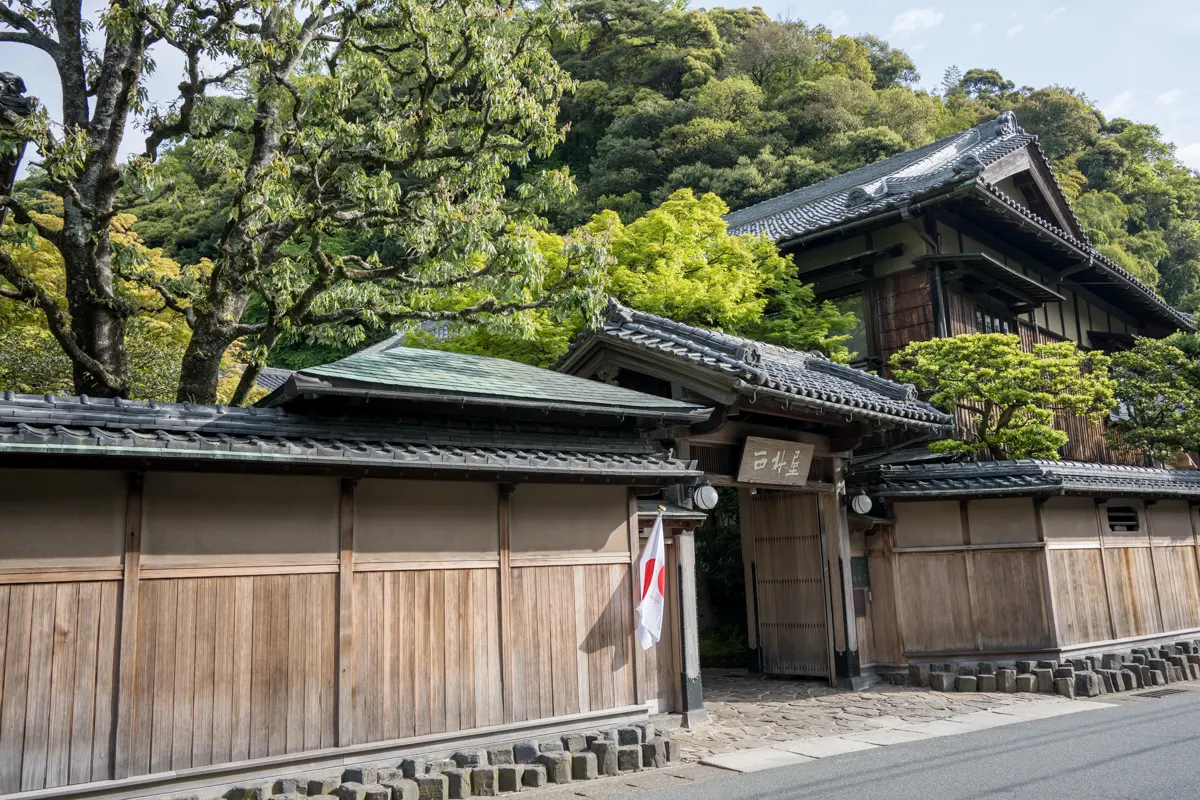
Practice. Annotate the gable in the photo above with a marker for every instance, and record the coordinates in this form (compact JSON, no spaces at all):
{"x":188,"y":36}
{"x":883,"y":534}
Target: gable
{"x":1026,"y":177}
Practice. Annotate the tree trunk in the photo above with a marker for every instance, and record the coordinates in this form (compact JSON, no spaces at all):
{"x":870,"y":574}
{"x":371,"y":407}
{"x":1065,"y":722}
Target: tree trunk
{"x":215,"y":331}
{"x":96,"y":322}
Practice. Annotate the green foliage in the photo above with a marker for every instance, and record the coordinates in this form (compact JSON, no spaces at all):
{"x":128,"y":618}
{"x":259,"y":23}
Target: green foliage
{"x":1158,"y":386}
{"x":679,"y":261}
{"x":1008,"y":394}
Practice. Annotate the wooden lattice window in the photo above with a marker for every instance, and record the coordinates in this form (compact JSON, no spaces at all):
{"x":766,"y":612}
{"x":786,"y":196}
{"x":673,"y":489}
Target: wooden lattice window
{"x":1123,"y":519}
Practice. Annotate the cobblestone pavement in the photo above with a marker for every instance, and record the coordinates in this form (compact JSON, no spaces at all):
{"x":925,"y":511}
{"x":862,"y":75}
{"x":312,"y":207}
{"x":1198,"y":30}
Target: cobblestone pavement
{"x":750,"y":711}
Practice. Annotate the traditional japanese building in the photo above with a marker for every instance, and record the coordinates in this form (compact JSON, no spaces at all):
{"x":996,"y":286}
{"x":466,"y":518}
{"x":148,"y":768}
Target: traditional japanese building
{"x":783,"y":427}
{"x":973,"y":233}
{"x":403,"y":552}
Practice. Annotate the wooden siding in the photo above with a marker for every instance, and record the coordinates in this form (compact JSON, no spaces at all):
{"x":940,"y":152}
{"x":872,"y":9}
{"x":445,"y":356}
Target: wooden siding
{"x":1088,"y":440}
{"x":961,"y":314}
{"x":1080,"y":603}
{"x":904,"y":311}
{"x":572,"y":644}
{"x":57,"y":648}
{"x":159,"y":668}
{"x":232,"y":668}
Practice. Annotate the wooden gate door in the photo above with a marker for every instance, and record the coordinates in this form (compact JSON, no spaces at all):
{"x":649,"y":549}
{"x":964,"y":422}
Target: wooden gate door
{"x":792,"y":615}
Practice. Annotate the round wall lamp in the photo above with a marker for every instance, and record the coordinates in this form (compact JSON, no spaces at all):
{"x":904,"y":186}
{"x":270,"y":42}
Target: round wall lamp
{"x":705,"y":497}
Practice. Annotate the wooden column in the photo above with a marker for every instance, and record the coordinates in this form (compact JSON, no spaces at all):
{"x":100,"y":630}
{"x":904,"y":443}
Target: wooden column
{"x":693,"y":710}
{"x":837,"y":549}
{"x":1039,"y":515}
{"x":746,"y":522}
{"x":635,"y":549}
{"x":503,"y":519}
{"x":1158,"y":595}
{"x":345,"y":635}
{"x":1101,"y":527}
{"x":127,"y":650}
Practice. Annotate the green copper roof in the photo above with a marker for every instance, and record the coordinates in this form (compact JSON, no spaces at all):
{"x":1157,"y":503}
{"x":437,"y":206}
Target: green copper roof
{"x":441,"y":372}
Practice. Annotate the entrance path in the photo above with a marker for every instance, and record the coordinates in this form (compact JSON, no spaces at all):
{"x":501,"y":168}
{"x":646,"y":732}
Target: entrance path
{"x":750,"y":711}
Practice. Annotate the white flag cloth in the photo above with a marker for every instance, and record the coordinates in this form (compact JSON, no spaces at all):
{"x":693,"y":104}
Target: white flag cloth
{"x":652,"y":574}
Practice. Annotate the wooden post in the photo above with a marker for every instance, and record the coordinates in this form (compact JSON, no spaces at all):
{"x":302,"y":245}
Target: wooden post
{"x":127,"y":650}
{"x":745,"y":520}
{"x":1101,"y":526}
{"x":639,"y":691}
{"x":1051,"y":611}
{"x":503,"y":511}
{"x":1162,"y":627}
{"x":837,"y":531}
{"x":693,"y":710}
{"x":969,"y":566}
{"x":345,"y":638}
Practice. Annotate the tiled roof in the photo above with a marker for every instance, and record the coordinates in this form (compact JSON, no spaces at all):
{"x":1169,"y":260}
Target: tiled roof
{"x":457,"y":376}
{"x":81,"y":426}
{"x":885,"y":184}
{"x":271,"y":378}
{"x":944,"y":165}
{"x":1033,"y":477}
{"x":802,"y":379}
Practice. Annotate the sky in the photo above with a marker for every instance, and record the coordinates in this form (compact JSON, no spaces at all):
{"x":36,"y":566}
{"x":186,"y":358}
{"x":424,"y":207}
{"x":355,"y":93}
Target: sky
{"x":1133,"y":58}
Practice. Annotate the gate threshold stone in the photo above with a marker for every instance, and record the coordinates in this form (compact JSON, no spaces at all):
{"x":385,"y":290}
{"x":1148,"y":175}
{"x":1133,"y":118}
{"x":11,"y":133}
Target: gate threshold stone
{"x":754,"y":760}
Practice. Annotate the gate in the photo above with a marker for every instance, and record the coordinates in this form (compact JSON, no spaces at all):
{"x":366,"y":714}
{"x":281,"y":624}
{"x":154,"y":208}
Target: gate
{"x":789,"y":569}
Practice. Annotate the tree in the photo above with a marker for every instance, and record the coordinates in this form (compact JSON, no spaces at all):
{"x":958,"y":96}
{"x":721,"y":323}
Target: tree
{"x":679,"y":261}
{"x":1158,"y":387}
{"x":32,"y":362}
{"x":398,"y":117}
{"x":1005,"y":397}
{"x":891,"y":65}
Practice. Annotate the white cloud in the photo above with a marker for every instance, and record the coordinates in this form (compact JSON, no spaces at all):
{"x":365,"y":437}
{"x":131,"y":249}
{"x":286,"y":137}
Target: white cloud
{"x":1015,"y":29}
{"x":977,"y":28}
{"x":1118,"y":105}
{"x":1190,"y":155}
{"x":1055,"y":14}
{"x":1169,"y":97}
{"x":916,"y":20}
{"x":839,"y":19}
{"x":916,"y":49}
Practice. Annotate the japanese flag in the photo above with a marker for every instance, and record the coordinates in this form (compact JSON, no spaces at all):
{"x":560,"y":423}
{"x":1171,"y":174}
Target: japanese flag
{"x":652,"y":573}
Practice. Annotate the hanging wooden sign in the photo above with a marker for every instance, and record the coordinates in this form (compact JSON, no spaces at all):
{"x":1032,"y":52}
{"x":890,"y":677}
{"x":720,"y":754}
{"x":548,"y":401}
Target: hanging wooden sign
{"x":775,"y":462}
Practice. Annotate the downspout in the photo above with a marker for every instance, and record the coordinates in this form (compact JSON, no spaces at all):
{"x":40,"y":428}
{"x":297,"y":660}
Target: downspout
{"x":938,"y":290}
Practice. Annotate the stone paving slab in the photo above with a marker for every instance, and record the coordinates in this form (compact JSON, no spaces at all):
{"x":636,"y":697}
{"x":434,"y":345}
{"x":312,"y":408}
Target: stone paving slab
{"x":824,"y":747}
{"x":987,"y":719}
{"x":756,"y":760}
{"x":943,"y":727}
{"x":1052,"y":708}
{"x":886,"y":736}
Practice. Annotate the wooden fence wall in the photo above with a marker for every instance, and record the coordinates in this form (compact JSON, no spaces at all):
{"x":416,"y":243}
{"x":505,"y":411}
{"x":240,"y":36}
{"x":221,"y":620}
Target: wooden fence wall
{"x":152,"y":652}
{"x":1122,"y":585}
{"x":1023,"y":576}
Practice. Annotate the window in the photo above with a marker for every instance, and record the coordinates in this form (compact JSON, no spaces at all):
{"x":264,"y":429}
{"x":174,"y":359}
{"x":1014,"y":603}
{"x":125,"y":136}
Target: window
{"x":1122,"y":519}
{"x":857,"y":342}
{"x":988,"y":322}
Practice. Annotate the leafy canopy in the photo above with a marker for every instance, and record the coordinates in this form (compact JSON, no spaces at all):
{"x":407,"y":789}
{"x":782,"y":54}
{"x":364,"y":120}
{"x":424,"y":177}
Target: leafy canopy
{"x":679,"y":261}
{"x":1158,"y":386}
{"x":359,"y":157}
{"x":1004,"y":396}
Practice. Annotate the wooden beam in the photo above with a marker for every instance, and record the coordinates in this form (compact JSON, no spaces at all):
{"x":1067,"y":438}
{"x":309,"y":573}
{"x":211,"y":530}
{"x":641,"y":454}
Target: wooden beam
{"x":127,"y":650}
{"x":1153,"y":565}
{"x":746,"y":524}
{"x":1101,"y":525}
{"x":345,"y":637}
{"x":504,"y":519}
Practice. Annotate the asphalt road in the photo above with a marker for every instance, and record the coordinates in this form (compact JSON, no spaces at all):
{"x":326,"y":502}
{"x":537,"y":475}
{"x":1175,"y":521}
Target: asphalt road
{"x":1139,"y":749}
